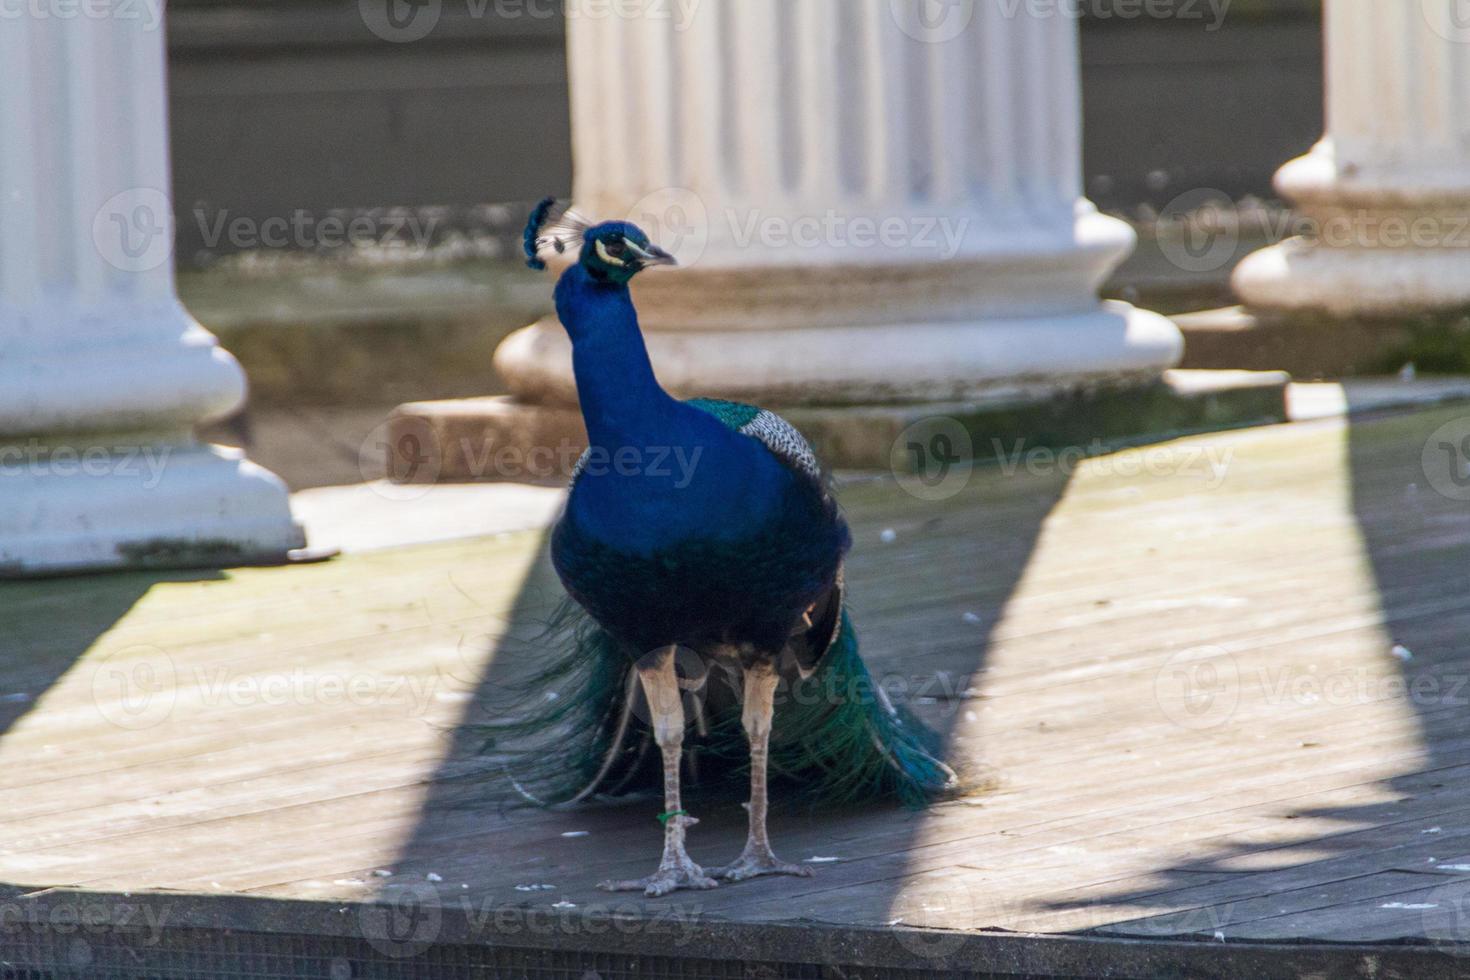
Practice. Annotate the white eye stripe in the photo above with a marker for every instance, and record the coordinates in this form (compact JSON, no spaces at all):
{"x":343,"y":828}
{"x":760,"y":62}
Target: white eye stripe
{"x":603,"y":254}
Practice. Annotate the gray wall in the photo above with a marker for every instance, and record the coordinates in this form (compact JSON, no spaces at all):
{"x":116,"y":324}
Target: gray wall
{"x":279,"y":106}
{"x":295,"y":104}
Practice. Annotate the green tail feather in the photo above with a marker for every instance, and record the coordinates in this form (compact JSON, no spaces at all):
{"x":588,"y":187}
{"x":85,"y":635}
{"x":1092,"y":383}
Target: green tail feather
{"x":843,"y":740}
{"x":568,"y":731}
{"x":560,"y":732}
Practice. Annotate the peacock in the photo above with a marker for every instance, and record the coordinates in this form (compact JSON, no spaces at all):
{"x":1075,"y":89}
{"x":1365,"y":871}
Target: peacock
{"x":706,"y":610}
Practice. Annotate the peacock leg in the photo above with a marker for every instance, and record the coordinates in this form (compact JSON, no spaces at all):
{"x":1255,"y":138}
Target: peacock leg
{"x":666,"y":707}
{"x":756,"y":713}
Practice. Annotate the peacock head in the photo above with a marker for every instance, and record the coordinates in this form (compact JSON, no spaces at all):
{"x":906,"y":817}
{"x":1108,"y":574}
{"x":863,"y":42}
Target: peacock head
{"x":616,"y":251}
{"x":613,"y":251}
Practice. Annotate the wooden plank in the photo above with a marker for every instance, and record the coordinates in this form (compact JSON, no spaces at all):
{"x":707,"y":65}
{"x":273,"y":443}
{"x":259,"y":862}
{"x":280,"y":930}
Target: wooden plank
{"x":1294,"y":816}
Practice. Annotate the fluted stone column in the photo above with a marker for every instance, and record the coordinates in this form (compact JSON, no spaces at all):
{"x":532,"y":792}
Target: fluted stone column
{"x":1386,"y":193}
{"x":870,"y":206}
{"x":103,"y":375}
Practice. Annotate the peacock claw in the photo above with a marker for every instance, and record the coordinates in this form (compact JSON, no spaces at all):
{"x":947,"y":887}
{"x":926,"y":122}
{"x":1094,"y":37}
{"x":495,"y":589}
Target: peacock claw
{"x":750,"y":865}
{"x":664,"y":880}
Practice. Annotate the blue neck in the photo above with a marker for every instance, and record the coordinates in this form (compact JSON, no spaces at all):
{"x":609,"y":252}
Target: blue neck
{"x":731,"y":484}
{"x":621,"y":399}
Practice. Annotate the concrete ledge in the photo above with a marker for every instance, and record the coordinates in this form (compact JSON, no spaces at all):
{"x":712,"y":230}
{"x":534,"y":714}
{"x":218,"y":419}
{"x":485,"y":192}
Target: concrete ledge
{"x":1319,"y":346}
{"x":502,"y":438}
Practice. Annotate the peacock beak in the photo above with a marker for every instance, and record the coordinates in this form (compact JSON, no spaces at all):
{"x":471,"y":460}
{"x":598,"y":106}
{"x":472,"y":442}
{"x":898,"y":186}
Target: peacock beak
{"x":651,"y":255}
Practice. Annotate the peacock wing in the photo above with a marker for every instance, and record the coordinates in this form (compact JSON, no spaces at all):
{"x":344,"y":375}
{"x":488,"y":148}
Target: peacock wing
{"x":770,"y":429}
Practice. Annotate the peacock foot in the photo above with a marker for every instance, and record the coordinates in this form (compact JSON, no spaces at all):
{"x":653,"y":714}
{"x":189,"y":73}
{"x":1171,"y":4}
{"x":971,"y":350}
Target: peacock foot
{"x":754,"y":863}
{"x":668,"y":878}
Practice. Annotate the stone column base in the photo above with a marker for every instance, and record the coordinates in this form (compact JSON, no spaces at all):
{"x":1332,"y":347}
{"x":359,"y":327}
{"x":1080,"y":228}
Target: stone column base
{"x":95,"y":503}
{"x":1299,"y":276}
{"x":998,"y":358}
{"x":1376,"y":248}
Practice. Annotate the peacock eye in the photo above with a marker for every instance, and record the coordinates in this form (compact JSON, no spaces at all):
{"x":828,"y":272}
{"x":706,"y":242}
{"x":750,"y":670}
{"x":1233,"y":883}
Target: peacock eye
{"x":617,"y":247}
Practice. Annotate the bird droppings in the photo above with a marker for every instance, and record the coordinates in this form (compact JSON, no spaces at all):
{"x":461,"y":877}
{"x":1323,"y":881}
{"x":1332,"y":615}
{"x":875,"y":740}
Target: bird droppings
{"x":1402,"y":652}
{"x":431,"y":876}
{"x":348,"y":881}
{"x":1432,"y":830}
{"x":382,"y":873}
{"x":1415,"y":906}
{"x":563,"y":904}
{"x":888,"y":535}
{"x":534,"y":888}
{"x":818,"y":859}
{"x":971,"y":617}
{"x":1453,"y":867}
{"x":577,"y":833}
{"x":1219,"y":936}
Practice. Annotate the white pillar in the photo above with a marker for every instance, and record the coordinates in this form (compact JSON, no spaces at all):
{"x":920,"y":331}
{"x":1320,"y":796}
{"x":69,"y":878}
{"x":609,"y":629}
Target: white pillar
{"x":870,"y":206}
{"x":1386,"y":193}
{"x":102,"y":373}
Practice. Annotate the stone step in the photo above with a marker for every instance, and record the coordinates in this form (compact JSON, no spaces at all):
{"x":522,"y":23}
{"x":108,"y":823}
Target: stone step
{"x":1324,"y":347}
{"x":500,"y":438}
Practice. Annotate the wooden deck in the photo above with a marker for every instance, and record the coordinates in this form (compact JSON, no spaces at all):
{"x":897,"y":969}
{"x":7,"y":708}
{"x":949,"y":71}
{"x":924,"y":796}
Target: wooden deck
{"x":1222,"y":687}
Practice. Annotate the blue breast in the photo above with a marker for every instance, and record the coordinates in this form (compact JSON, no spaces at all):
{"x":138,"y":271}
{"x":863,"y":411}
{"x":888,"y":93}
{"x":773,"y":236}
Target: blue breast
{"x":679,"y":529}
